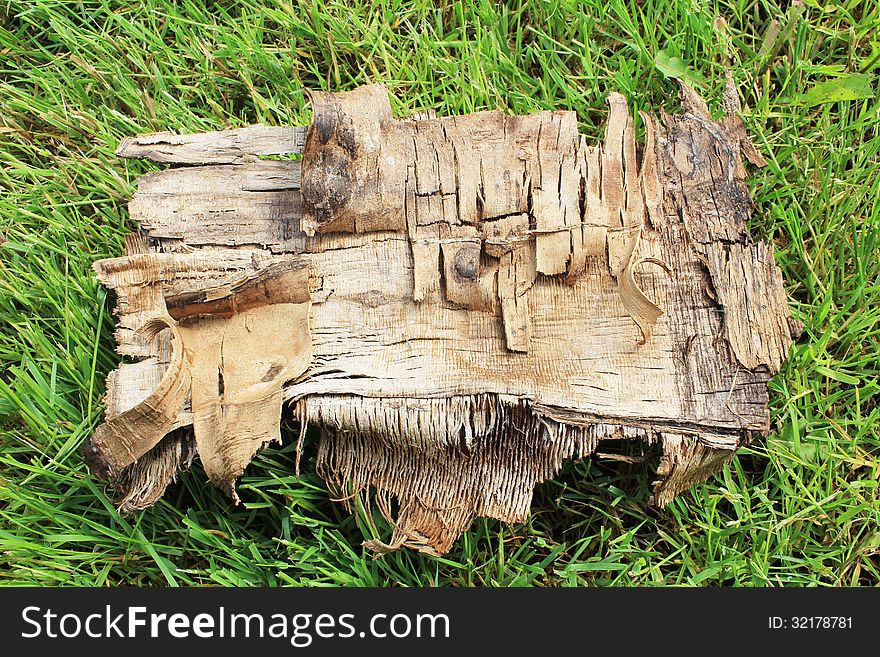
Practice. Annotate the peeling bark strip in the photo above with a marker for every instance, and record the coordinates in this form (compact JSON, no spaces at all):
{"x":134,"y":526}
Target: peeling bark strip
{"x":459,"y":304}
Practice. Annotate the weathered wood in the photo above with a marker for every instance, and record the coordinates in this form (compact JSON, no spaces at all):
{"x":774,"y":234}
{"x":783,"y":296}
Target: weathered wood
{"x":257,"y":203}
{"x":473,"y":300}
{"x":225,"y":311}
{"x":122,"y":440}
{"x":224,"y":147}
{"x":282,"y":282}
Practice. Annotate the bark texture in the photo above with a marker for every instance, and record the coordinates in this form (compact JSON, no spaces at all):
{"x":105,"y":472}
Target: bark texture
{"x":459,"y":304}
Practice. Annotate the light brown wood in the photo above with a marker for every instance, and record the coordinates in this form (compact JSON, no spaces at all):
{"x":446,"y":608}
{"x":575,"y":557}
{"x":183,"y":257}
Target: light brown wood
{"x":459,"y":304}
{"x":225,"y":147}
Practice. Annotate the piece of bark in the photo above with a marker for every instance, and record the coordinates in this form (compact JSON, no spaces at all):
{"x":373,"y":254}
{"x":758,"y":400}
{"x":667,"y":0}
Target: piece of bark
{"x":689,"y":458}
{"x":122,"y":440}
{"x":238,"y":367}
{"x":237,"y":339}
{"x":473,"y":300}
{"x":225,"y":147}
{"x":256,"y":203}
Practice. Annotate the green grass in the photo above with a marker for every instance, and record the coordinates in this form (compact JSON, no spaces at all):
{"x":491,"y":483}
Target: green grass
{"x":799,"y":508}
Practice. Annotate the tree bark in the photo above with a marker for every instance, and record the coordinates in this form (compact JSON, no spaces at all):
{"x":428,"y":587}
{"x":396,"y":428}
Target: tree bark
{"x":459,"y":304}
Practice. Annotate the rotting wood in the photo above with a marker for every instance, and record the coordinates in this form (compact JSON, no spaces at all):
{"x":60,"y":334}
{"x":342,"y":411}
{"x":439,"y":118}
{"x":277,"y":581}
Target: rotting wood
{"x":458,"y":304}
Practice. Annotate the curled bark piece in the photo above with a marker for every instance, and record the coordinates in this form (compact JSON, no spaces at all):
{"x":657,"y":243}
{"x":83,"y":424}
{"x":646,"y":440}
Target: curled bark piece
{"x":283,"y":282}
{"x":122,"y":440}
{"x":623,"y":191}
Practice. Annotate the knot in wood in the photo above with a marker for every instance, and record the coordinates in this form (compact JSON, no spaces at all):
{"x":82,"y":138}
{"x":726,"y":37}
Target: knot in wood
{"x":467,"y":262}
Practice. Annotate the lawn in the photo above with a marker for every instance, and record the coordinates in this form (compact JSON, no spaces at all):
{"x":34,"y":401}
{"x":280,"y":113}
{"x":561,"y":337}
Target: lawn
{"x":799,"y":508}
